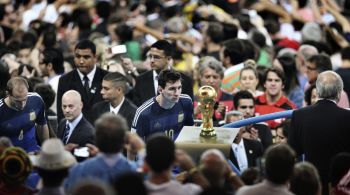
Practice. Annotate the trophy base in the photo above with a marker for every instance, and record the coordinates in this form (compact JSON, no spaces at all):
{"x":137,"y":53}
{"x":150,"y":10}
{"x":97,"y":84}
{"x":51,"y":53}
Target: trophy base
{"x":208,"y":133}
{"x":191,"y":141}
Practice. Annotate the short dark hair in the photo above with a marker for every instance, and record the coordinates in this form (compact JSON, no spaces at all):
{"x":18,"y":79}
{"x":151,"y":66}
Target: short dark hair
{"x":86,"y":44}
{"x":55,"y":57}
{"x":276,"y":70}
{"x":110,"y":133}
{"x":339,"y":167}
{"x":124,"y":33}
{"x":321,"y":61}
{"x":305,"y":179}
{"x":160,"y":152}
{"x":308,"y":94}
{"x":345,"y":53}
{"x":167,"y":76}
{"x":279,"y":163}
{"x":117,"y":78}
{"x":215,"y":31}
{"x":47,"y":94}
{"x":242,"y":95}
{"x":233,"y":50}
{"x":164,"y":46}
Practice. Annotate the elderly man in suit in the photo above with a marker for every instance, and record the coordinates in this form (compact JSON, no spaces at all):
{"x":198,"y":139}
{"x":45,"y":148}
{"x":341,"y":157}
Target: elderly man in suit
{"x":321,"y":131}
{"x":74,"y":128}
{"x":114,"y":87}
{"x":86,"y":78}
{"x":160,"y":57}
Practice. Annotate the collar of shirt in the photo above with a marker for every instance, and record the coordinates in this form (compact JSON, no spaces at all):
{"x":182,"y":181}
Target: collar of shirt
{"x":110,"y":159}
{"x":90,"y":75}
{"x":327,"y":99}
{"x":73,"y":124}
{"x":240,"y":144}
{"x":116,"y":109}
{"x":155,"y":81}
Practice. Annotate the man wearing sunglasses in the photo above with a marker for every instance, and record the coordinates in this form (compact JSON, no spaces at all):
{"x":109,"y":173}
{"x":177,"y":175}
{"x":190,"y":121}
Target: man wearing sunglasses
{"x":23,"y":116}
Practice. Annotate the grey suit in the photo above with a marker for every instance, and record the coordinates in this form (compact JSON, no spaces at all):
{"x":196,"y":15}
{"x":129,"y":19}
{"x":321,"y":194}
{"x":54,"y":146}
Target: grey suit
{"x":82,"y":134}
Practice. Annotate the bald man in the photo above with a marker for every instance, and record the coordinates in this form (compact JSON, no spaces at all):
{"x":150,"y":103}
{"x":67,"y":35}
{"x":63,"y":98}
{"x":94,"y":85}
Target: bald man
{"x":23,"y":116}
{"x":74,"y":128}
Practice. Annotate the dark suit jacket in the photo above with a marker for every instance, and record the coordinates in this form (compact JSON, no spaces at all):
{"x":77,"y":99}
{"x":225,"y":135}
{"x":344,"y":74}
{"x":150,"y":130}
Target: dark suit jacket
{"x":320,"y":132}
{"x":83,"y":133}
{"x":144,"y":87}
{"x":72,"y":81}
{"x":265,"y":134}
{"x":253,"y":150}
{"x":127,"y":110}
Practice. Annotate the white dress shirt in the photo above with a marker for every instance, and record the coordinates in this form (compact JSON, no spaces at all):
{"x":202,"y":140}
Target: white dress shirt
{"x":155,"y":81}
{"x":241,"y":155}
{"x":116,"y":109}
{"x":90,"y":75}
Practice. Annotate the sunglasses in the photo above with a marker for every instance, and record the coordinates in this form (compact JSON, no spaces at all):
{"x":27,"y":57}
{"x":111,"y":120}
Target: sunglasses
{"x":245,"y":107}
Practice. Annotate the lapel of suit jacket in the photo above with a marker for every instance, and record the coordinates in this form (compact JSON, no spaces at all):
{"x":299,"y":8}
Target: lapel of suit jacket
{"x":76,"y":131}
{"x":78,"y":86}
{"x":124,"y":107}
{"x":233,"y":158}
{"x":249,"y":152}
{"x":95,"y":86}
{"x":151,"y":93}
{"x":62,"y":125}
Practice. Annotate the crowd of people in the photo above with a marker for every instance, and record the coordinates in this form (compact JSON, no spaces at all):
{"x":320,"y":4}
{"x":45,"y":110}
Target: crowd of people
{"x":94,"y":93}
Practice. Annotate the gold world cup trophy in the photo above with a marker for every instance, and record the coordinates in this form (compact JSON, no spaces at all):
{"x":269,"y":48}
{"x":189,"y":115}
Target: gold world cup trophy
{"x":207,"y":99}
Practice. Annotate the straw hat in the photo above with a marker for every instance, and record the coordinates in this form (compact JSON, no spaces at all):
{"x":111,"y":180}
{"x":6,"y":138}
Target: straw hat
{"x":53,"y":156}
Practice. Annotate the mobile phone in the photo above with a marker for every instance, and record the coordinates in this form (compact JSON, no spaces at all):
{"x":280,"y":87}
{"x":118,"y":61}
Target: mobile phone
{"x":81,"y":152}
{"x":118,"y":49}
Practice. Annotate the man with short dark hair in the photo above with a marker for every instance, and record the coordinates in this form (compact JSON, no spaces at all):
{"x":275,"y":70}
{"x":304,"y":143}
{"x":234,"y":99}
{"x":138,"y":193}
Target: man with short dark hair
{"x":160,"y":158}
{"x":23,"y":116}
{"x":279,"y":164}
{"x":168,"y":112}
{"x":86,"y":78}
{"x":244,"y":103}
{"x":273,"y":99}
{"x":114,"y":88}
{"x":321,"y":131}
{"x":160,"y":57}
{"x":110,"y":163}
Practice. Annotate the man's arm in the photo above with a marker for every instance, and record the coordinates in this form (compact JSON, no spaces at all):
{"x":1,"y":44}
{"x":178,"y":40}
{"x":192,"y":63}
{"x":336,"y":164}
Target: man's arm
{"x":42,"y":132}
{"x":294,"y":138}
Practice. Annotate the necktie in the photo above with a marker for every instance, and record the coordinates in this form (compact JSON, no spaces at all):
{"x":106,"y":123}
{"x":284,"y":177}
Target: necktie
{"x":86,"y":83}
{"x":66,"y":133}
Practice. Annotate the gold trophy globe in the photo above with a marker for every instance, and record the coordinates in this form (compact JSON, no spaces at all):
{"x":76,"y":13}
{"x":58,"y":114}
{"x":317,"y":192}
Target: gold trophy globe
{"x":207,"y":99}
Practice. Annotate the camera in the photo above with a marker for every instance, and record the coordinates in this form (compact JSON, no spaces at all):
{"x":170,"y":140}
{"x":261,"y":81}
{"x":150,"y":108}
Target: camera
{"x":81,"y":152}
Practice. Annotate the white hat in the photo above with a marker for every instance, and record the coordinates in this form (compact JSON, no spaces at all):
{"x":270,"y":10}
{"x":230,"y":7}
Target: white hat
{"x":53,"y":156}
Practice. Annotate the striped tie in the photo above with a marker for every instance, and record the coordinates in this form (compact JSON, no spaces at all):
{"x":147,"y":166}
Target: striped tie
{"x":66,"y":133}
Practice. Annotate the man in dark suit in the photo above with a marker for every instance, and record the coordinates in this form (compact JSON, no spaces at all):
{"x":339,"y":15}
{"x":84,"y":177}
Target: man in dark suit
{"x":86,"y":78}
{"x":74,"y":128}
{"x":321,"y":131}
{"x":114,"y":87}
{"x":245,"y":152}
{"x":244,"y":103}
{"x":160,"y":57}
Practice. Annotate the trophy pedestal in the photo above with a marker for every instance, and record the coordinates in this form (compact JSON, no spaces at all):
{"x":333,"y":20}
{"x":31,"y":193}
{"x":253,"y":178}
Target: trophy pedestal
{"x":190,"y":141}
